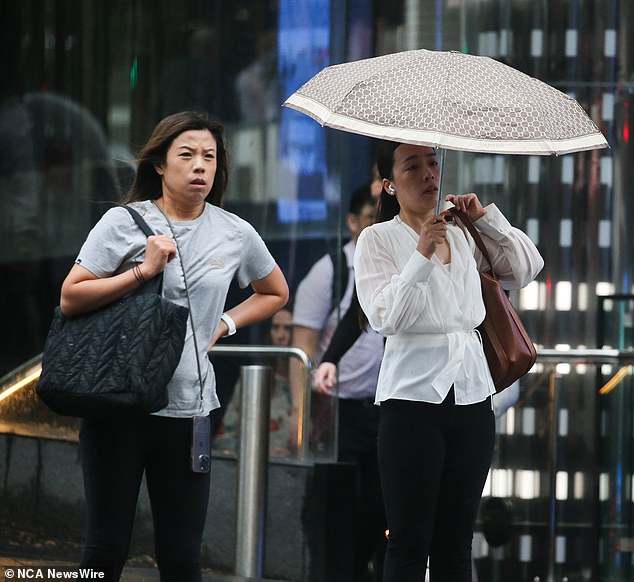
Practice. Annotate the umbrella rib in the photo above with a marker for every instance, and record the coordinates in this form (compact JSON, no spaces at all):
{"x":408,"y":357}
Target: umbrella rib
{"x":448,"y":75}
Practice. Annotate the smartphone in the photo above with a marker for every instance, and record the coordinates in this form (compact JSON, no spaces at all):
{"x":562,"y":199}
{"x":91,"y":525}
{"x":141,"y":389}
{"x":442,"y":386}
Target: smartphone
{"x":201,"y":444}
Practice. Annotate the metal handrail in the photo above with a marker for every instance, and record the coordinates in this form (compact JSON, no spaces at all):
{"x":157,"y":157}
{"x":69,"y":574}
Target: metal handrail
{"x":237,"y":350}
{"x":589,"y":355}
{"x":303,"y":414}
{"x":622,"y":359}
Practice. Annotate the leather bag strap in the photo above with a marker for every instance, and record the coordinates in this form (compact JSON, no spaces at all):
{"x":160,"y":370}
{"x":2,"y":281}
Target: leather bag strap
{"x":473,"y":231}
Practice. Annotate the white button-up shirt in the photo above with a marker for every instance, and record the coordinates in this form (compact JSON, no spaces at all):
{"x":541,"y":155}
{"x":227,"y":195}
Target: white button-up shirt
{"x":429,"y":311}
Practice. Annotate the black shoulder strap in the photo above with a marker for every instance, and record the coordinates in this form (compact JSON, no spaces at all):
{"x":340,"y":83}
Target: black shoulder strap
{"x":155,"y":285}
{"x":340,"y":282}
{"x":147,"y":231}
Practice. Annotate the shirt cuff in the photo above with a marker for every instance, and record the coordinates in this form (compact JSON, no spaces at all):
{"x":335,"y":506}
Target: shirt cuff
{"x":417,"y":270}
{"x":493,"y":224}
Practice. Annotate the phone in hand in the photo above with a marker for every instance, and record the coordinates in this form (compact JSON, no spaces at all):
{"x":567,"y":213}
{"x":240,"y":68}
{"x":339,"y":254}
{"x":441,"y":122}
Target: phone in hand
{"x":201,"y":444}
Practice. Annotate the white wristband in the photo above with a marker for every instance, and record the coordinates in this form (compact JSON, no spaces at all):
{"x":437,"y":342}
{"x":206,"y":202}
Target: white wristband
{"x":230,"y":324}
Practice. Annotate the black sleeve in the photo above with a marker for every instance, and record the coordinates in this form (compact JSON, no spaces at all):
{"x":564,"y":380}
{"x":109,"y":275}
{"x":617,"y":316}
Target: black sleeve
{"x":347,"y":332}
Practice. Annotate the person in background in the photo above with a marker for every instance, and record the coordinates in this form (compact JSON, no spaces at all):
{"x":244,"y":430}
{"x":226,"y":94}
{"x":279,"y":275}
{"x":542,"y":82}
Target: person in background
{"x":418,"y":284}
{"x":228,"y":436}
{"x":257,"y":86}
{"x":350,"y":325}
{"x":314,"y":320}
{"x":178,"y":188}
{"x":347,"y":332}
{"x":376,"y":184}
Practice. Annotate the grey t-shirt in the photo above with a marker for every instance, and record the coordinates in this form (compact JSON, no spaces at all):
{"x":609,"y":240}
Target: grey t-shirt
{"x":216,"y":246}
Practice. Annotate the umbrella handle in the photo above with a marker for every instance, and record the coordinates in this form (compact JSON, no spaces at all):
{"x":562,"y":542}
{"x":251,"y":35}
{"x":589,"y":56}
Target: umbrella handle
{"x":440,"y":155}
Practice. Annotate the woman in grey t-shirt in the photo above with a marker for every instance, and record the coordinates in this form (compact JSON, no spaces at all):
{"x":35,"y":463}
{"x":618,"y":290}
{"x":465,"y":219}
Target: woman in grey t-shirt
{"x":178,"y":189}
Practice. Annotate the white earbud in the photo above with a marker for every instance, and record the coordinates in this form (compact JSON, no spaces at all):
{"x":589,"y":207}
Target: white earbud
{"x":391,"y":189}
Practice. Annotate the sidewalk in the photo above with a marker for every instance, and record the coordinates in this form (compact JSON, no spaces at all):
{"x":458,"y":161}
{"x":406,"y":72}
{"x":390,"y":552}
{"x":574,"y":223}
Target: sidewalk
{"x":13,"y":569}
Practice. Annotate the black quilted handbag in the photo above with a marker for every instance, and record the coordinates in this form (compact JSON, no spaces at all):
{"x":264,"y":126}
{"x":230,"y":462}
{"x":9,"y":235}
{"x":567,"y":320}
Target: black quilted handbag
{"x":116,"y":360}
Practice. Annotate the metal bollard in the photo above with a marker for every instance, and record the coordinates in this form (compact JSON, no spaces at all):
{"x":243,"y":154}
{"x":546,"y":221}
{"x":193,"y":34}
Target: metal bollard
{"x":256,"y":384}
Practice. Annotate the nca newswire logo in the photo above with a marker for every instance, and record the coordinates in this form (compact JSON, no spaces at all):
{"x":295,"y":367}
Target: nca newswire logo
{"x":52,"y":574}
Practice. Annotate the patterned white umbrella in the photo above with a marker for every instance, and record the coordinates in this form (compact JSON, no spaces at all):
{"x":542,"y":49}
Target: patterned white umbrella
{"x":450,"y":100}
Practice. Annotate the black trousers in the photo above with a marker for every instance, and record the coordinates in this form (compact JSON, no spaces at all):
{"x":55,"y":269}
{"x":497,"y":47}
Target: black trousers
{"x":434,"y":460}
{"x":358,"y":430}
{"x":114,"y":457}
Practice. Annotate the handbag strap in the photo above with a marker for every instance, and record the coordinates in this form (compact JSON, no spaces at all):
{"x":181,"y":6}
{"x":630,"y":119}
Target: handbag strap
{"x":147,"y":231}
{"x":156,"y":284}
{"x":473,"y":231}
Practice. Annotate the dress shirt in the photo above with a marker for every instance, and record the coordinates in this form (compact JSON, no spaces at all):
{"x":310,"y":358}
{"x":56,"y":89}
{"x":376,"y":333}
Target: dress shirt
{"x":359,"y":367}
{"x":429,"y":311}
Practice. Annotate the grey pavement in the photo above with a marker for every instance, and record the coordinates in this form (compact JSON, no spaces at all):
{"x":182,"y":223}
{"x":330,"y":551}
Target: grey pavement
{"x":14,"y":569}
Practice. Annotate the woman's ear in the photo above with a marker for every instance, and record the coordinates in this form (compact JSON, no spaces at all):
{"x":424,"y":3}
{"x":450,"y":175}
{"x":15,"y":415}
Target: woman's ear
{"x":159,"y":169}
{"x":389,"y":187}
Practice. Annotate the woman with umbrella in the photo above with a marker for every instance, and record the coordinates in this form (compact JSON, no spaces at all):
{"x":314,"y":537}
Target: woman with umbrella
{"x":418,"y":283}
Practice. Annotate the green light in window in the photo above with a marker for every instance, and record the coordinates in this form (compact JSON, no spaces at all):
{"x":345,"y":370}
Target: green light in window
{"x":134,"y":73}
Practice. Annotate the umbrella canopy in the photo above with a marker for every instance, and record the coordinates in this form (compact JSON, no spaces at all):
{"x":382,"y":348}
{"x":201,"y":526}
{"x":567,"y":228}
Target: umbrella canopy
{"x":450,"y":100}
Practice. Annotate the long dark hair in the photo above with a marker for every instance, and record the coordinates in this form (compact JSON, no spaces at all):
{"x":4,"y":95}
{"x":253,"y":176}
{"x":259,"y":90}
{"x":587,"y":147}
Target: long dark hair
{"x":388,"y":204}
{"x":147,"y":182}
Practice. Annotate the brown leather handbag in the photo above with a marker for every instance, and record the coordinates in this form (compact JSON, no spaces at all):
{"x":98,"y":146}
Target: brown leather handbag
{"x":508,"y":348}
